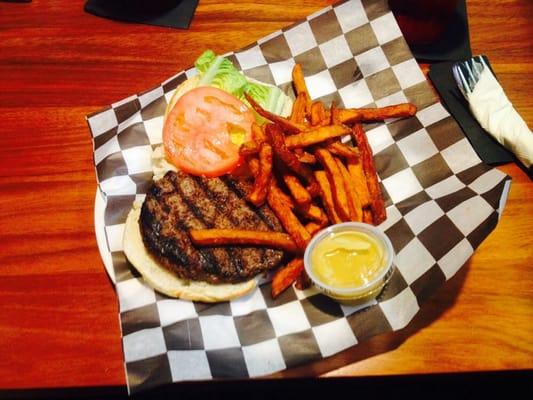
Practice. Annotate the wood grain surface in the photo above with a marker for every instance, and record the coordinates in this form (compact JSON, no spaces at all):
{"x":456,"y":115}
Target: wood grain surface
{"x":58,"y":309}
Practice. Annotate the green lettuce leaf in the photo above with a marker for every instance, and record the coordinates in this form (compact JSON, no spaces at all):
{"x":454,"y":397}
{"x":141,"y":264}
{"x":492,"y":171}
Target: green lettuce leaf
{"x":271,"y":98}
{"x":220,"y":72}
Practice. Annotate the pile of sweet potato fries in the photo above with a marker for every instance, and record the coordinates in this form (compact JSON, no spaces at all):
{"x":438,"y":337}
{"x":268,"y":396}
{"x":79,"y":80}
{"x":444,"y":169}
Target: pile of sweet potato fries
{"x":308,"y":176}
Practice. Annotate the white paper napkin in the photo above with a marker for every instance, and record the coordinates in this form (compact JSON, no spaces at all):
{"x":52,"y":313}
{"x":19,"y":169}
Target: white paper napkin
{"x":496,"y":115}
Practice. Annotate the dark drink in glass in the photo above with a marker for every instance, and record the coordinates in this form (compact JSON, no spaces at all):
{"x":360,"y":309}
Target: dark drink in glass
{"x":423,"y":21}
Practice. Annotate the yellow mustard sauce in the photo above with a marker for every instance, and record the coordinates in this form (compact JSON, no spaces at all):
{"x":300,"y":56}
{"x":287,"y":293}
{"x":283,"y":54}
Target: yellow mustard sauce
{"x":347,"y":259}
{"x":237,"y":133}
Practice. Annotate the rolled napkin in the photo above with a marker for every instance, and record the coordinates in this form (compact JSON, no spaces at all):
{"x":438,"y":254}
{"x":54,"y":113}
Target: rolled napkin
{"x":493,"y":110}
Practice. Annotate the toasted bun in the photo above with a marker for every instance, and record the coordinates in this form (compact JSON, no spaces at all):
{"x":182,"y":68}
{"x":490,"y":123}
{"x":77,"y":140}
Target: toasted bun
{"x":183,"y":88}
{"x":157,"y":276}
{"x":163,"y":280}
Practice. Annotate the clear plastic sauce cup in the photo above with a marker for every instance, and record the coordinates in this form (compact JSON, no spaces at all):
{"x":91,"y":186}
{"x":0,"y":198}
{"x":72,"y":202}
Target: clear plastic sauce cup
{"x":350,"y":262}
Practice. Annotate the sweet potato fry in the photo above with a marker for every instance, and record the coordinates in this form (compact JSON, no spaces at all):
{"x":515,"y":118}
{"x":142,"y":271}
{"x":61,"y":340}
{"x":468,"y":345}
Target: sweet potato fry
{"x":249,"y":148}
{"x":287,"y":199}
{"x":299,"y":193}
{"x":303,"y":281}
{"x":306,"y":158}
{"x":377,"y":204}
{"x":327,"y":196}
{"x":355,"y":168}
{"x":299,"y":108}
{"x":222,"y":237}
{"x":289,"y":221}
{"x":313,"y":228}
{"x":313,"y":189}
{"x":253,"y":163}
{"x":313,"y":213}
{"x":254,"y":168}
{"x":298,"y":80}
{"x":327,"y":119}
{"x":318,"y":113}
{"x":262,"y":180}
{"x":316,"y":135}
{"x":286,"y":124}
{"x":258,"y":135}
{"x":343,"y":150}
{"x":336,"y":182}
{"x":286,"y":156}
{"x":350,"y":115}
{"x":356,"y":211}
{"x":285,"y":276}
{"x":367,"y":216}
{"x":300,"y":85}
{"x":334,"y":114}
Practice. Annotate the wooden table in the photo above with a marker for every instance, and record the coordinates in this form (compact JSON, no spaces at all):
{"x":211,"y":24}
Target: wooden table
{"x":58,"y":309}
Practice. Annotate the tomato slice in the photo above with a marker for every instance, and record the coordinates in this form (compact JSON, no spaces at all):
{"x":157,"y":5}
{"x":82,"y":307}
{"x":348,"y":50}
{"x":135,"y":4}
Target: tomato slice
{"x":204,"y":130}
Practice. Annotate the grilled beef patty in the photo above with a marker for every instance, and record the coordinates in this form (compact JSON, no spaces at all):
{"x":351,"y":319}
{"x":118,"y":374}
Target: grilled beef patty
{"x":179,"y":202}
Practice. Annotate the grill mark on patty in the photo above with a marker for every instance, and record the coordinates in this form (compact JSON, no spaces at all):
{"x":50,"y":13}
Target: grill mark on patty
{"x":175,"y":249}
{"x":228,"y":203}
{"x":215,"y":255}
{"x":176,"y":231}
{"x":177,"y":203}
{"x":186,"y":222}
{"x":149,"y":222}
{"x":207,"y":212}
{"x":220,"y":220}
{"x":241,"y":189}
{"x":264,"y":214}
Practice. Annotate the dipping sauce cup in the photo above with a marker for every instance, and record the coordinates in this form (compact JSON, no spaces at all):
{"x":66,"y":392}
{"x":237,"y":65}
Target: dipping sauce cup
{"x":350,"y":262}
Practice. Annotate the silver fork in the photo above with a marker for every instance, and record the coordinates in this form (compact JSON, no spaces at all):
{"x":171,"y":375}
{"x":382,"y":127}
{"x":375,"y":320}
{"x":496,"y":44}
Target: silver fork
{"x":497,"y":116}
{"x":467,"y":73}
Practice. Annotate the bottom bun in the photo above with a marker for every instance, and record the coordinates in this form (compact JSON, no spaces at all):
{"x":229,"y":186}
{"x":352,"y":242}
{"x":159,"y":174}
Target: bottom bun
{"x":163,"y":280}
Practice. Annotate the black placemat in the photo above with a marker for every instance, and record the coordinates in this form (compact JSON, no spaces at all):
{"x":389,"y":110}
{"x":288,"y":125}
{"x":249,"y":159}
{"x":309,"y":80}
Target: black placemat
{"x":487,"y":148}
{"x":167,"y":13}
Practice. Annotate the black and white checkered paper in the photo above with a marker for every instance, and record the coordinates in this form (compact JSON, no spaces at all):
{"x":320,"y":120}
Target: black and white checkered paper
{"x":441,"y":203}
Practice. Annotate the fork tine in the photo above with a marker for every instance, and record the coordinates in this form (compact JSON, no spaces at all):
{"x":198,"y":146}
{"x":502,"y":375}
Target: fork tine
{"x":468,"y":72}
{"x":478,"y":68}
{"x":483,"y":62}
{"x":470,"y":76}
{"x":465,"y":85}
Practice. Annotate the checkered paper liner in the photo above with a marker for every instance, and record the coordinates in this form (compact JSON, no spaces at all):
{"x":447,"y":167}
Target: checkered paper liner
{"x":441,"y":203}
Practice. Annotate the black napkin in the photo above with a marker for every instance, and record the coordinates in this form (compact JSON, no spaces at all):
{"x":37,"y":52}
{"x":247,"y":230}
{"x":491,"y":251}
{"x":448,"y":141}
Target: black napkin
{"x":168,"y":13}
{"x":487,"y":148}
{"x":453,"y":45}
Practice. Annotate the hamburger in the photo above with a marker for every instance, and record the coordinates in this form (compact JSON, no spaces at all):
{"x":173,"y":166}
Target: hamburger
{"x":206,"y":121}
